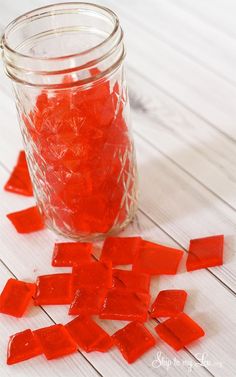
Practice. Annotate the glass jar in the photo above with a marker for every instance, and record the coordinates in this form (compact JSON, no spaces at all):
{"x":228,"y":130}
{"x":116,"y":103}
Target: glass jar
{"x":66,"y":65}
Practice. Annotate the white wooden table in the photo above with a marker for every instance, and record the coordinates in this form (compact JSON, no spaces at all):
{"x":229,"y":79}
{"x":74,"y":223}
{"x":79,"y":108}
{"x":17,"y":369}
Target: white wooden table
{"x":181,"y":68}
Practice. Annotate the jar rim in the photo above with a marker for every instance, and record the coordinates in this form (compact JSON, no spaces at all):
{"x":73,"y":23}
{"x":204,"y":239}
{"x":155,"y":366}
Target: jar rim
{"x":34,"y":14}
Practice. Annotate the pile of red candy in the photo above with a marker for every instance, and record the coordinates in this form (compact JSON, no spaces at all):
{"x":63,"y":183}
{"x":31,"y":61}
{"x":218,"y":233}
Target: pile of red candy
{"x":82,"y":155}
{"x":98,"y":287}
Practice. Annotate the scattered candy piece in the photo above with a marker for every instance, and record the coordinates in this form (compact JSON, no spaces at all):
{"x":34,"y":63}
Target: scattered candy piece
{"x":168,"y":303}
{"x":15,"y":297}
{"x":157,"y":259}
{"x":19,"y":181}
{"x":70,"y":253}
{"x":133,"y":341}
{"x":89,"y":335}
{"x":179,"y":331}
{"x":120,"y":250}
{"x":125,"y":305}
{"x":55,"y":341}
{"x":87,"y":300}
{"x":27,"y":221}
{"x":135,"y":281}
{"x":55,"y":289}
{"x":22,"y":346}
{"x":95,"y":274}
{"x":205,"y":252}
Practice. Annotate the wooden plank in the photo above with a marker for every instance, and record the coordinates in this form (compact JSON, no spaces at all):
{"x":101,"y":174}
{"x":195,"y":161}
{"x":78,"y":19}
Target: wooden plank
{"x":219,"y":14}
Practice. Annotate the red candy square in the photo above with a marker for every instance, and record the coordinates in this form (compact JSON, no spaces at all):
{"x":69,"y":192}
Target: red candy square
{"x":15,"y":297}
{"x":55,"y":341}
{"x":95,"y":274}
{"x":55,"y":289}
{"x":70,"y":253}
{"x":133,"y":341}
{"x":88,"y":335}
{"x":27,"y":221}
{"x":157,"y":259}
{"x":87,"y":300}
{"x":205,"y":252}
{"x":135,"y":281}
{"x":120,"y":250}
{"x":22,"y":346}
{"x":125,"y":305}
{"x":168,"y":303}
{"x":179,"y":331}
{"x":19,"y":182}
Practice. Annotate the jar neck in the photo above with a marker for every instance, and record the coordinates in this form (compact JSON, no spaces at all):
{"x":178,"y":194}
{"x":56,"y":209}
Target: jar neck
{"x":70,"y":44}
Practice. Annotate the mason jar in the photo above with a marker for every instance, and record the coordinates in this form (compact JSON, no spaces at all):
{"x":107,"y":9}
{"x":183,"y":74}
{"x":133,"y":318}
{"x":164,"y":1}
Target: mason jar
{"x":66,"y":66}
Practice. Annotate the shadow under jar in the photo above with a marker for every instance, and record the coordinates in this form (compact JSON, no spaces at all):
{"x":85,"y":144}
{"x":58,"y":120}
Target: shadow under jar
{"x":66,"y":66}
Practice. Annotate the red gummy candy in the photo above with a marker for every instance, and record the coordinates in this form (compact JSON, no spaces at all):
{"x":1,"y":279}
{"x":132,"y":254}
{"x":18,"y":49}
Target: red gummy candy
{"x":55,"y":289}
{"x":135,"y":281}
{"x":125,"y":305}
{"x":120,"y":250}
{"x":205,"y":252}
{"x":133,"y":341}
{"x":87,"y":300}
{"x":22,"y":346}
{"x":55,"y":341}
{"x":95,"y":274}
{"x":88,"y":335}
{"x":157,"y":259}
{"x":15,"y":297}
{"x":27,"y":221}
{"x":70,"y":253}
{"x":168,"y":303}
{"x":19,"y":182}
{"x":179,"y":331}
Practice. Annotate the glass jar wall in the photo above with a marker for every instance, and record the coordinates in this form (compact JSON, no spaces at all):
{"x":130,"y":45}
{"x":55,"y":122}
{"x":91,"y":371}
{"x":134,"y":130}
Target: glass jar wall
{"x":66,"y":66}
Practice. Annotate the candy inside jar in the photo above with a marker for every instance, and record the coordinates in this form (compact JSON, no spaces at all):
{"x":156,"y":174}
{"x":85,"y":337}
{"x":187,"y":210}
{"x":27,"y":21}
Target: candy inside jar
{"x":83,"y":158}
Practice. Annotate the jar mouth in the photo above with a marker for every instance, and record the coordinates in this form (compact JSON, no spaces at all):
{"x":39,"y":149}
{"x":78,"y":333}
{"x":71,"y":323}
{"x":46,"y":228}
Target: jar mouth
{"x":48,"y":10}
{"x":43,"y":46}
